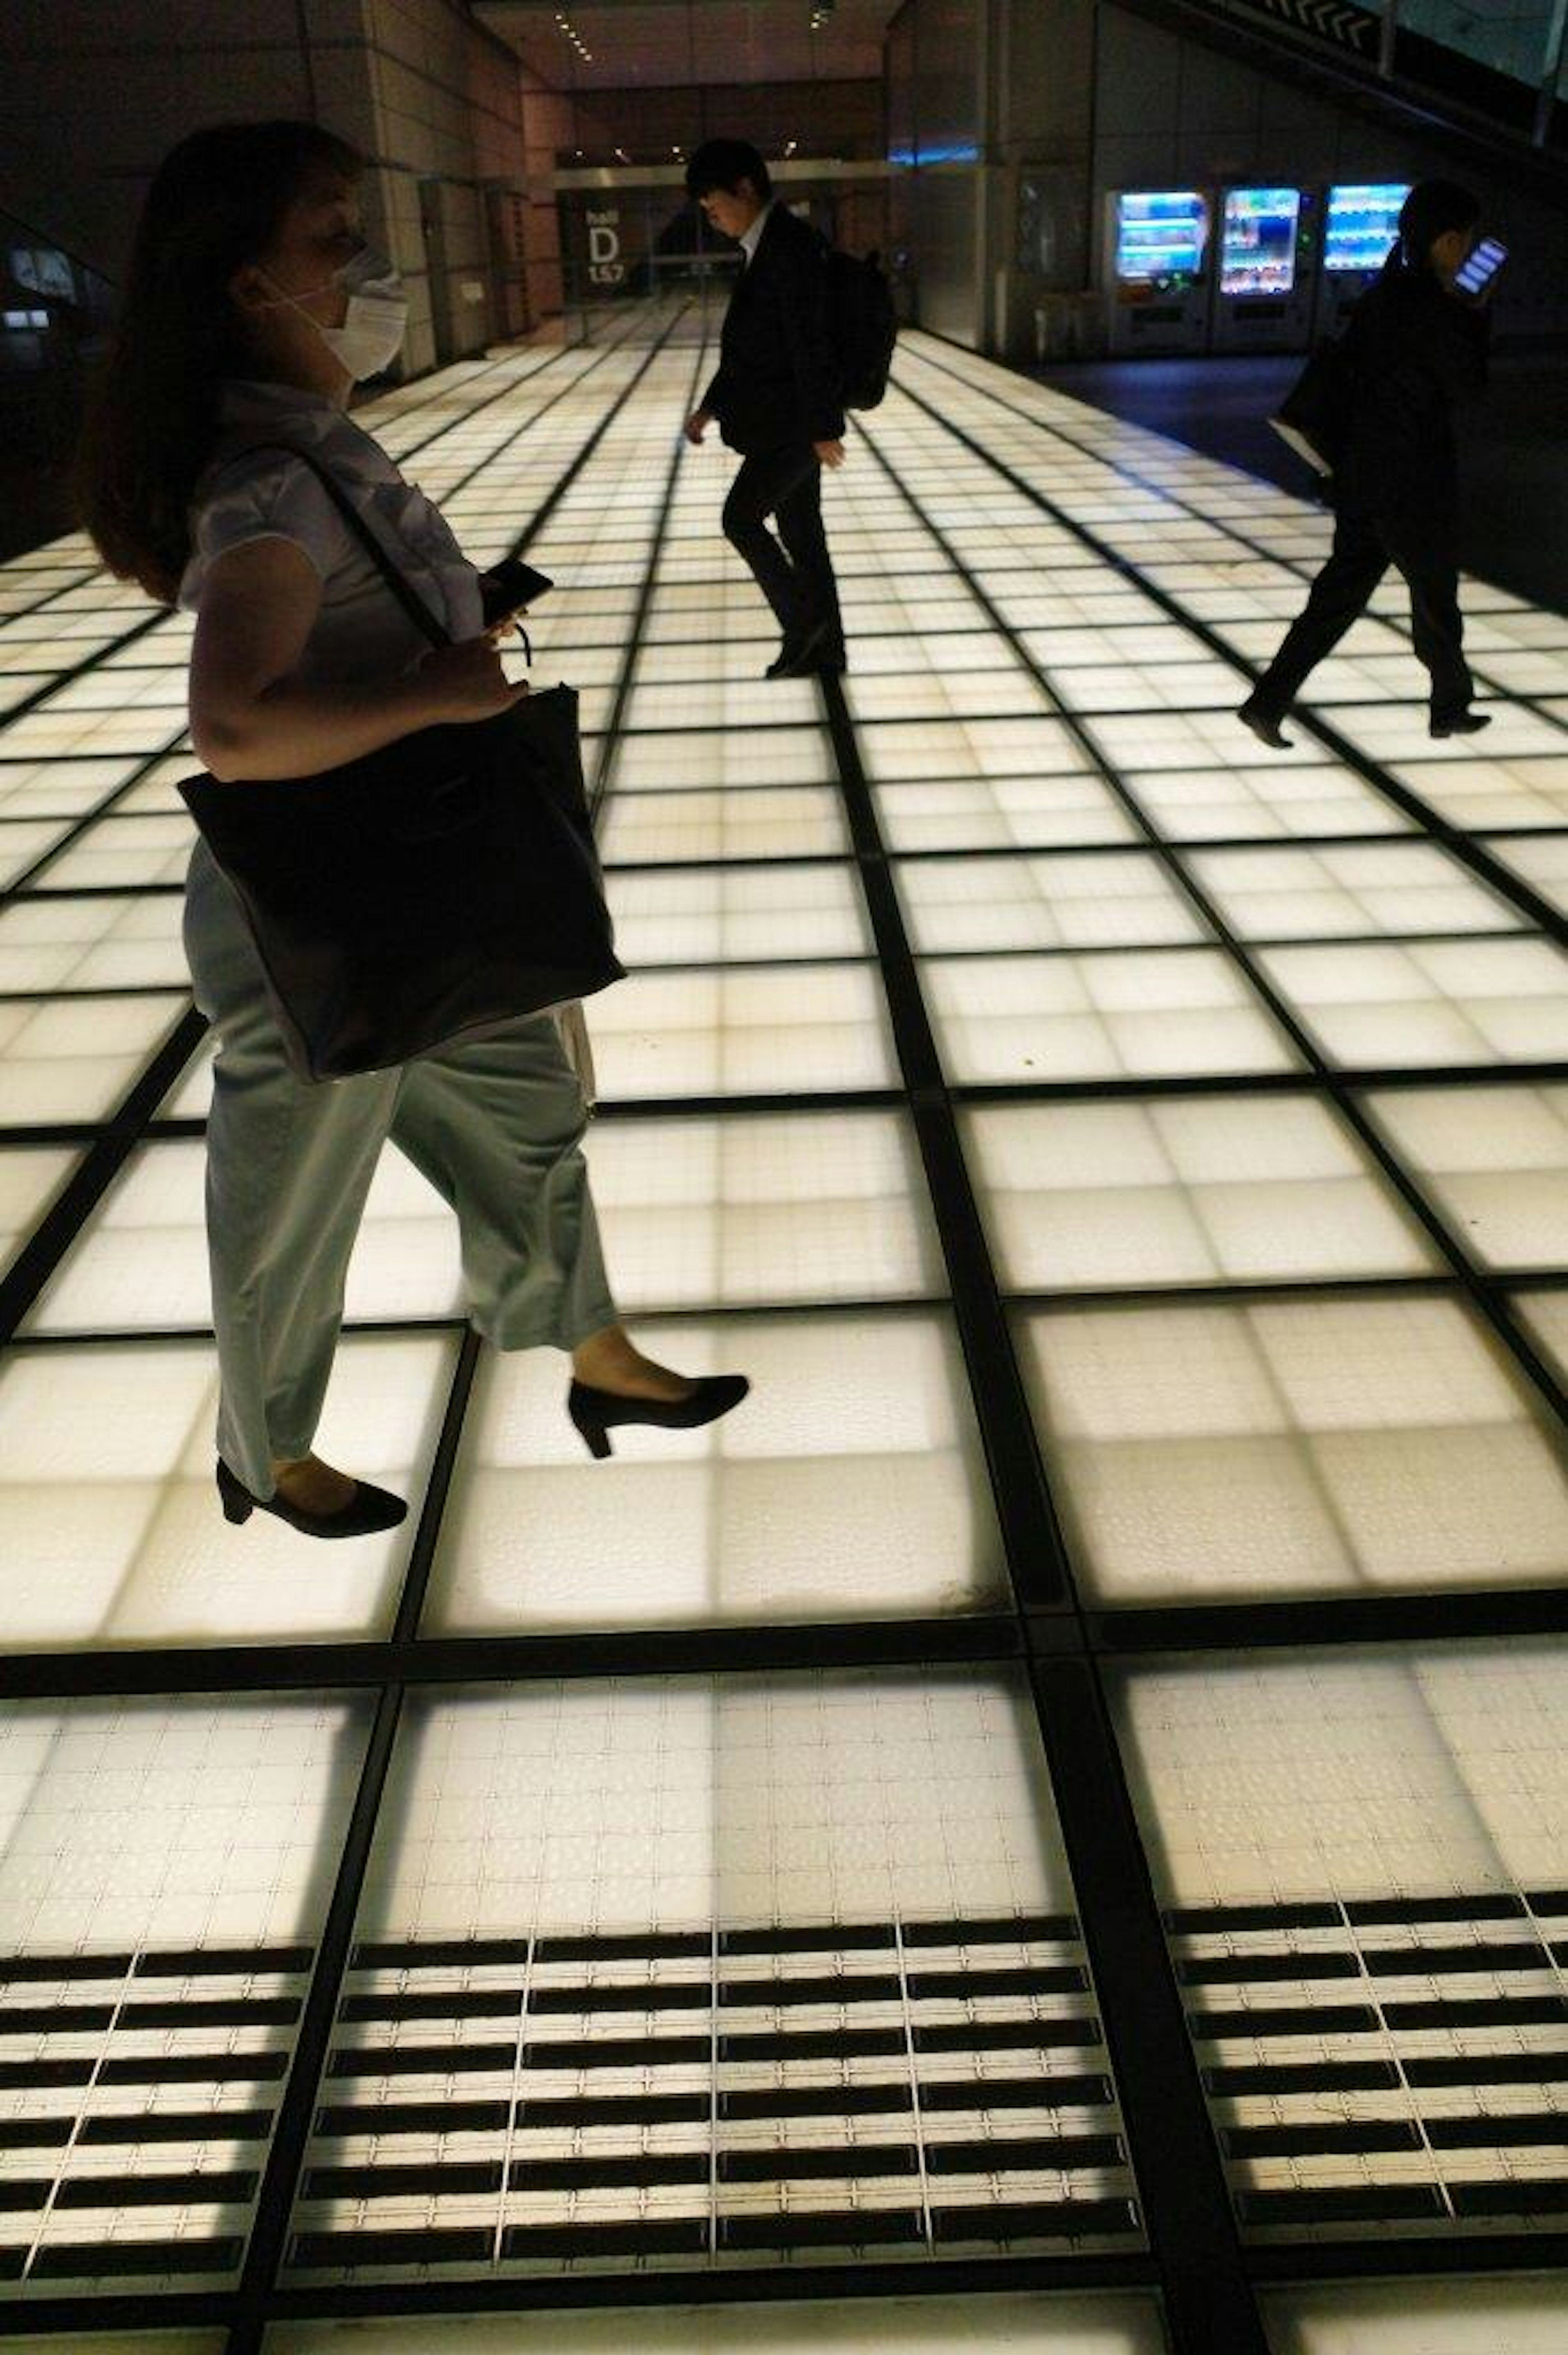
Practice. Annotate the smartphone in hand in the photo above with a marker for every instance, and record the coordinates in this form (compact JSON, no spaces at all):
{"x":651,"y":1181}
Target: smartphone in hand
{"x":1475,"y":274}
{"x":509,"y":585}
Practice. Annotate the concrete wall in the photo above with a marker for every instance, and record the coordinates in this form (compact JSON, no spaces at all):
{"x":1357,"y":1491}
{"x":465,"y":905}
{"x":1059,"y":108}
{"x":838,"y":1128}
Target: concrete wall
{"x":448,"y":110}
{"x":1039,"y":161}
{"x":1060,"y":101}
{"x":96,"y":96}
{"x":937,"y":119}
{"x":546,"y":129}
{"x":1174,"y":111}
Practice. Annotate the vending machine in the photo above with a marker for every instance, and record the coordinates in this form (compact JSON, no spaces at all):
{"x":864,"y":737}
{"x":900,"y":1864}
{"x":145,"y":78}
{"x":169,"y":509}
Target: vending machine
{"x":1361,"y":226}
{"x":1157,"y":269}
{"x":1267,"y":265}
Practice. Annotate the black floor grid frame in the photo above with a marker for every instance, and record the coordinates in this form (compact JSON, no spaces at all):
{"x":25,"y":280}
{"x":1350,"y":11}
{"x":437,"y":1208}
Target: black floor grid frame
{"x":1063,"y":1792}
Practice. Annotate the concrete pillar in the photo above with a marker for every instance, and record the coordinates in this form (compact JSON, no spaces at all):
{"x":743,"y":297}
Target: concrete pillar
{"x":1039,"y":63}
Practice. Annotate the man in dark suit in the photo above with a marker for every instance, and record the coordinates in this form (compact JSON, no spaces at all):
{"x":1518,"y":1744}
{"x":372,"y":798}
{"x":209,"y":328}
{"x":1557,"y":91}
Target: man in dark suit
{"x":1416,"y":347}
{"x":779,"y":401}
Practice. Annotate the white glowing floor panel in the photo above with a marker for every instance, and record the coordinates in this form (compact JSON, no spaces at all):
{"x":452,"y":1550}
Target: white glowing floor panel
{"x":1465,"y":2317}
{"x":30,"y":1179}
{"x":114,"y":2342}
{"x":760,"y":1969}
{"x":1062,"y":2323}
{"x":163,"y":1877}
{"x":737,"y":915}
{"x":789,"y":1209}
{"x":1319,"y":1446}
{"x":1546,"y":1315}
{"x":850,"y":1485}
{"x":1174,"y":1013}
{"x":110,"y":941}
{"x":1191,"y":1191}
{"x":108,"y":1523}
{"x":1016,"y":779}
{"x":717,"y":1969}
{"x":1359,"y":1858}
{"x":1498,"y":1164}
{"x":76,"y":1059}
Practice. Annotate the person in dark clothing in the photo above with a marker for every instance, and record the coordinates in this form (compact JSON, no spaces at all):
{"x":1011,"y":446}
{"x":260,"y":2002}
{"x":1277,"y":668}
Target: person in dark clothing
{"x":1416,"y":348}
{"x":779,"y":401}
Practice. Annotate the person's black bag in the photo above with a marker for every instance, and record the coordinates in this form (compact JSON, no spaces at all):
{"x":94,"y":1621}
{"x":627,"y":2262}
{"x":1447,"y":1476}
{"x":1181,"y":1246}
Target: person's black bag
{"x":430,"y":892}
{"x":863,"y":325}
{"x":1314,"y":417}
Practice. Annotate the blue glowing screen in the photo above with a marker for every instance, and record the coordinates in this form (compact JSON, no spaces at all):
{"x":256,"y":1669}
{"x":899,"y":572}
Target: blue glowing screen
{"x":1362,"y":224}
{"x":1162,"y":235}
{"x":1257,"y":240}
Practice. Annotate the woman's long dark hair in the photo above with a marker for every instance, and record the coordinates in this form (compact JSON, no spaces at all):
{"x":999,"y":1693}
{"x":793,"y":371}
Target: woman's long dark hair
{"x":217,"y":201}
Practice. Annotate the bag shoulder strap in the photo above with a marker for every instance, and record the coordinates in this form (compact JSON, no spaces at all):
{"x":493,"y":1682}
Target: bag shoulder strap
{"x":413,"y":605}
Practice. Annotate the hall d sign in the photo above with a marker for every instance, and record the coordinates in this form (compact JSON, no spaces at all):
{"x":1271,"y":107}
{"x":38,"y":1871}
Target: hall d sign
{"x":1331,"y":20}
{"x":606,"y":267}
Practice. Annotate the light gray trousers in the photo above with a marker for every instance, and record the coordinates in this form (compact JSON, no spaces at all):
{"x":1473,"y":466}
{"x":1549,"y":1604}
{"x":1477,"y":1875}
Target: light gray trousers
{"x":495,"y":1126}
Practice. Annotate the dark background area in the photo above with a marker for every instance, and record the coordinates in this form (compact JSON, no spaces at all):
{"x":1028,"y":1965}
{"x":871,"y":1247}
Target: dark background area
{"x":1514,"y":451}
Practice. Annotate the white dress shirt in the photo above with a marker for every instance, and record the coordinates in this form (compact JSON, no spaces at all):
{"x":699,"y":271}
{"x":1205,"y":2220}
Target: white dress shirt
{"x":751,"y":238}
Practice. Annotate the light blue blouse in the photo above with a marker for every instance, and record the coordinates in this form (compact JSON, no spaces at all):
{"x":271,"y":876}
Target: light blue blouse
{"x":361,"y":632}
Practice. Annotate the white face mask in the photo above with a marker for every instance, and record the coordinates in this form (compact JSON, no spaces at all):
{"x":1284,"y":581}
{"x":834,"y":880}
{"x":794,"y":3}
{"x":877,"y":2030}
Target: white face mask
{"x":372,"y":333}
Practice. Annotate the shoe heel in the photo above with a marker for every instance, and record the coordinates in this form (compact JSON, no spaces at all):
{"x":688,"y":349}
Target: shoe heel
{"x":588,"y":1420}
{"x":237,"y":1506}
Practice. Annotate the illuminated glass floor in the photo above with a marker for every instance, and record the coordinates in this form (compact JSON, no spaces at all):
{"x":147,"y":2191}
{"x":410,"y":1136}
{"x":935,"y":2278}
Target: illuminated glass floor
{"x":1052,"y":1817}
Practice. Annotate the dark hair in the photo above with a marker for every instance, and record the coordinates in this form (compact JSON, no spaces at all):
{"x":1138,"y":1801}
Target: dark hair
{"x":217,"y":201}
{"x":1429,"y":211}
{"x":723,"y":164}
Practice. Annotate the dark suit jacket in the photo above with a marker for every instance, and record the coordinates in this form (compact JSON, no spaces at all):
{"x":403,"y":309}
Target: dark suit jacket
{"x":778,"y":381}
{"x":1415,"y":352}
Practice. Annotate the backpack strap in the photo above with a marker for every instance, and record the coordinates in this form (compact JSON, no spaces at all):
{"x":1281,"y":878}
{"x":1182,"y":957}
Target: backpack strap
{"x":413,"y":605}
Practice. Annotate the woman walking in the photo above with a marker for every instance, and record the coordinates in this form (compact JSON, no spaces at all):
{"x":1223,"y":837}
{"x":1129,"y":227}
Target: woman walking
{"x":252,"y":309}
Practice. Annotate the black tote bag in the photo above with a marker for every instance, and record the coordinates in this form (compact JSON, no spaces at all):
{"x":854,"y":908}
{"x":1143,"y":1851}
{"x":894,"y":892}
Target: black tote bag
{"x":431,"y":892}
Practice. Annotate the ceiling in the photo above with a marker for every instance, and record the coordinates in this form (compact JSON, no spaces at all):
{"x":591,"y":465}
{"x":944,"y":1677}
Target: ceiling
{"x":662,"y":43}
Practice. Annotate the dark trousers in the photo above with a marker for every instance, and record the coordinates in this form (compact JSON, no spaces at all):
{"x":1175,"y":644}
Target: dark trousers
{"x":797,"y":579}
{"x":1364,"y":547}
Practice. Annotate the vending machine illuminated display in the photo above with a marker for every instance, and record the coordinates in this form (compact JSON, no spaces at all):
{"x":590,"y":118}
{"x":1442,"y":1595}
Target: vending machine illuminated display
{"x":1362,"y":227}
{"x":1157,"y":269}
{"x":1160,"y":239}
{"x":1264,"y":298}
{"x":1360,"y":231}
{"x":1257,"y":243}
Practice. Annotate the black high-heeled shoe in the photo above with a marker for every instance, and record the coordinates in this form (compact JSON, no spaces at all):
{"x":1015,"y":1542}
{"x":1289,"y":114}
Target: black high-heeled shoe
{"x":371,"y":1510}
{"x":596,"y":1412}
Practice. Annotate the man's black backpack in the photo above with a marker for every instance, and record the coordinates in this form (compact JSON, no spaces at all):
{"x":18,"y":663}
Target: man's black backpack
{"x":860,"y":309}
{"x":1314,"y":416}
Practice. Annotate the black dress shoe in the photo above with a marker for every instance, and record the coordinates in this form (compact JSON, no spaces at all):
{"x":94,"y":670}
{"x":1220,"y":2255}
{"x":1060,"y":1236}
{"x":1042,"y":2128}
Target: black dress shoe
{"x":368,"y":1509}
{"x":1265,"y":725}
{"x":1459,"y":723}
{"x":799,"y":656}
{"x":597,"y":1413}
